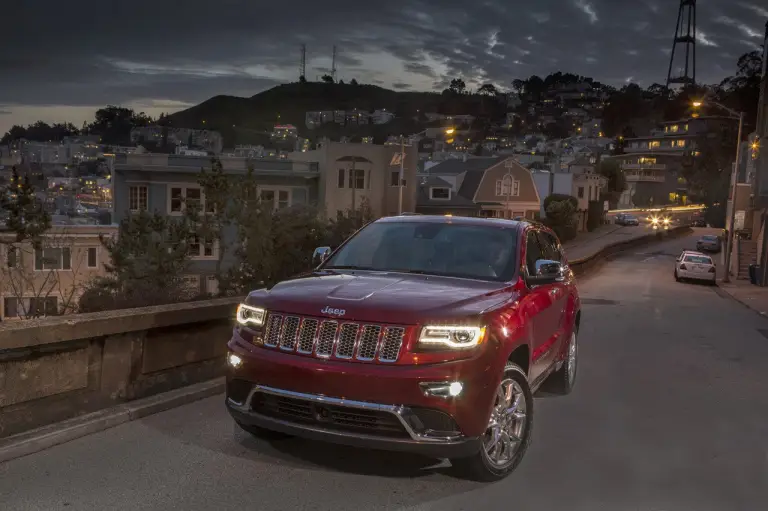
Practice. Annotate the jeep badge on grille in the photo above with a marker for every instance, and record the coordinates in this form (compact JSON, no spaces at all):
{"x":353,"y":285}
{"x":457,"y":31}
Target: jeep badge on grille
{"x":333,"y":312}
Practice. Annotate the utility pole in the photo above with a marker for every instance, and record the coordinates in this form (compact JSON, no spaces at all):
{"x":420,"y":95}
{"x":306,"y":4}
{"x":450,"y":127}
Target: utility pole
{"x":401,"y":177}
{"x":761,"y":166}
{"x":734,"y":189}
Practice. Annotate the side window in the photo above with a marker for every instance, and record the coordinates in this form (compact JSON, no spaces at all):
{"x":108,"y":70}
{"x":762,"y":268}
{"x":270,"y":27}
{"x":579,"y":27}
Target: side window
{"x":550,"y":247}
{"x":532,"y":252}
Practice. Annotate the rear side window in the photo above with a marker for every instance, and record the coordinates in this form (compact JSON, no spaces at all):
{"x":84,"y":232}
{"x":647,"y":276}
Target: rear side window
{"x":533,"y":252}
{"x":697,"y":259}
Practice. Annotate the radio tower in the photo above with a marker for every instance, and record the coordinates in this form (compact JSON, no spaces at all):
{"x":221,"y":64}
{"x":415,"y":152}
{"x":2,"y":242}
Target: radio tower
{"x":685,"y":36}
{"x":333,"y":65}
{"x":303,"y":64}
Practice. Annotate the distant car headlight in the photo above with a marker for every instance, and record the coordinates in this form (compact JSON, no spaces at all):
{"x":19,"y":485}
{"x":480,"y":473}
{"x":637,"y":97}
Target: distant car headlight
{"x":253,"y":316}
{"x":453,"y":337}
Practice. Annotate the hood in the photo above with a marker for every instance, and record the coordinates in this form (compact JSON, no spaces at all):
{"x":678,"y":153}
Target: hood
{"x":405,"y":299}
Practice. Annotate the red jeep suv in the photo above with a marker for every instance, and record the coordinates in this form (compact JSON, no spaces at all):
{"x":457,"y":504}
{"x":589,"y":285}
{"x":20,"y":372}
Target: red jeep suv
{"x":427,"y":334}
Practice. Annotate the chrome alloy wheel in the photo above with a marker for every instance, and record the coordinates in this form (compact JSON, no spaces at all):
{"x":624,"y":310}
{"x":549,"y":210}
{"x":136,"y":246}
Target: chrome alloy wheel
{"x":572,"y":352}
{"x":506,"y":426}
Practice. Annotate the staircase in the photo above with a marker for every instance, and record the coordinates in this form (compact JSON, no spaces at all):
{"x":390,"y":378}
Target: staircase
{"x":747,"y":255}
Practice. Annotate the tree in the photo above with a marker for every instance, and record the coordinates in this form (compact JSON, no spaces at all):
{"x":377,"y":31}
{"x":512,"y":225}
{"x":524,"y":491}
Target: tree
{"x":302,"y":79}
{"x":113,"y":124}
{"x":25,"y":214}
{"x":709,"y":176}
{"x":327,"y":78}
{"x":353,"y":82}
{"x":518,"y":86}
{"x":148,"y":259}
{"x":457,"y":86}
{"x":488,"y":89}
{"x":617,"y":182}
{"x":560,"y":213}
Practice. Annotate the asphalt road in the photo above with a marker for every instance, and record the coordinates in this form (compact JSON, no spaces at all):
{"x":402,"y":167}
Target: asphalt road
{"x":670,"y":413}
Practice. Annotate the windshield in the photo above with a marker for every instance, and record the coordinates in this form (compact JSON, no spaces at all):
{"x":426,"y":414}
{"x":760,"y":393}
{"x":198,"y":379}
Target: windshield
{"x":484,"y":252}
{"x":698,"y":259}
{"x":709,"y":238}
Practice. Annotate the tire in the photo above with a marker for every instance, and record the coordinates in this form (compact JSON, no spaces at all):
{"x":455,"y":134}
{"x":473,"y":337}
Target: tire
{"x":263,"y":434}
{"x":677,"y":279}
{"x":480,"y":466}
{"x":561,"y":382}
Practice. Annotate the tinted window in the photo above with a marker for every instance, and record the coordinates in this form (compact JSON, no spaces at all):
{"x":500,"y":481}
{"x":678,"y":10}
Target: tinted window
{"x":697,"y":259}
{"x":471,"y":251}
{"x":533,"y":252}
{"x":550,"y":247}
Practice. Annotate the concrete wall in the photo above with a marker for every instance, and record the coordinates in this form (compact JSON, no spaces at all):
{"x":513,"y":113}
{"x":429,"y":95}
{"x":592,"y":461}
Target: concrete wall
{"x":58,"y":368}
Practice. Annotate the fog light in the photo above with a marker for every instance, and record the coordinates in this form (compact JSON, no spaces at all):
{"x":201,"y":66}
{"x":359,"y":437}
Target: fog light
{"x":442,"y":389}
{"x":234,"y":360}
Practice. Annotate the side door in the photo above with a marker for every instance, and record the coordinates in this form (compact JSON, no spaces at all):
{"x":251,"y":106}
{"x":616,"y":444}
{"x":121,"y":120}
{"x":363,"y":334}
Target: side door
{"x":536,"y":308}
{"x":558,"y":292}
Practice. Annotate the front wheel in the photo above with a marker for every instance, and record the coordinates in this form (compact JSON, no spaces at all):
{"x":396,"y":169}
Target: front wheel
{"x":509,"y":430}
{"x":562,"y":381}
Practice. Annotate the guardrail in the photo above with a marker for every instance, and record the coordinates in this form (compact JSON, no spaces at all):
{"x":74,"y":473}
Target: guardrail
{"x":586,"y":264}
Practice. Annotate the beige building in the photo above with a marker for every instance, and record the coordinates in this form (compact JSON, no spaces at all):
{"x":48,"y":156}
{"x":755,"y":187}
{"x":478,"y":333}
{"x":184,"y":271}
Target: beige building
{"x":348,"y":173}
{"x":50,"y":281}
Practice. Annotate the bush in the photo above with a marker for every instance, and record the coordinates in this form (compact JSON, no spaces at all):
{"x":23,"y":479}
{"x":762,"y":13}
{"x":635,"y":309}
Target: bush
{"x":560,"y":210}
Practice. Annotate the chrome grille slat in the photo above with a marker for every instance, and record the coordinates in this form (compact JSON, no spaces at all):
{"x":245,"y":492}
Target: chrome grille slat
{"x":307,"y":335}
{"x":345,"y":345}
{"x":369,"y":340}
{"x":289,"y":332}
{"x":391,"y":343}
{"x":334,"y":339}
{"x":272,"y":334}
{"x":326,"y":338}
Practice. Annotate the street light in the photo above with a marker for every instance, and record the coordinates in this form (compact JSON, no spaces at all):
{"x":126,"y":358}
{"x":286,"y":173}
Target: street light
{"x":734,"y":185}
{"x":447,"y":131}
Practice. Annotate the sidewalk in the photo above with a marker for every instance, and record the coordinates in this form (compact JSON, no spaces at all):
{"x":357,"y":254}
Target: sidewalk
{"x":588,"y":243}
{"x":754,"y":297}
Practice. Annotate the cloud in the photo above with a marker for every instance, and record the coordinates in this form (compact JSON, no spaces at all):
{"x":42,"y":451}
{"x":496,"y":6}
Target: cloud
{"x":184,"y":57}
{"x":401,"y":86}
{"x":587,"y":9}
{"x":760,"y":11}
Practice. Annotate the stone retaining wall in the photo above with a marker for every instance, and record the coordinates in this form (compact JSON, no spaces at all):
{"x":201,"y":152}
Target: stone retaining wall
{"x":57,"y":368}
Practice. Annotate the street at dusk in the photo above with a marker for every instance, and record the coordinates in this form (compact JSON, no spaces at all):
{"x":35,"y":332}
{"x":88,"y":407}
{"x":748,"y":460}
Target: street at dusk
{"x":668,"y":413}
{"x":511,"y":255}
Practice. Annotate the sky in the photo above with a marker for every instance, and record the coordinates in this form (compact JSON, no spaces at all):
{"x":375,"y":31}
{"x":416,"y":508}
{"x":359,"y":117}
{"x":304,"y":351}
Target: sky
{"x":60,"y":61}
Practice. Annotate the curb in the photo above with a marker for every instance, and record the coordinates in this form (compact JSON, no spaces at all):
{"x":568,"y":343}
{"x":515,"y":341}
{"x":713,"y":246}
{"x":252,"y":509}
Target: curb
{"x":36,"y":440}
{"x":742,"y":301}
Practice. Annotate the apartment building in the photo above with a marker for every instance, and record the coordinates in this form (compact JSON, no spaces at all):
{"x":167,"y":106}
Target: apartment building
{"x":50,"y":280}
{"x":349,"y":172}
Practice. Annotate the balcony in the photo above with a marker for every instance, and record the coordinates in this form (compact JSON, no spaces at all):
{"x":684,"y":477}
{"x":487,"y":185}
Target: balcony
{"x":643,"y":176}
{"x":644,"y":166}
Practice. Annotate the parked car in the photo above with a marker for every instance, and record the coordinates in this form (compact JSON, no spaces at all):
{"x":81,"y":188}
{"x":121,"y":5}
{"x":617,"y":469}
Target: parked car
{"x":695,"y":266}
{"x":627,"y":219}
{"x":699,"y":222}
{"x":709,"y":243}
{"x":426,"y":334}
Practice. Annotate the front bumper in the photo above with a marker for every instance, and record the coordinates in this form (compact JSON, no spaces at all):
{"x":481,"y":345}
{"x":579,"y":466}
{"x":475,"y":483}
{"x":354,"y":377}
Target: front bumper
{"x":328,"y":419}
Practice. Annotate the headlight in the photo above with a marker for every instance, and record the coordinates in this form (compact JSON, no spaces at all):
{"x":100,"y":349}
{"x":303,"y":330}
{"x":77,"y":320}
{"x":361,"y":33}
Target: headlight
{"x":455,"y":337}
{"x":247,"y":315}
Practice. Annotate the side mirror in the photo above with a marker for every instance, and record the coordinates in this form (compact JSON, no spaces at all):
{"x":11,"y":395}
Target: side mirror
{"x":547,"y":272}
{"x":320,"y":255}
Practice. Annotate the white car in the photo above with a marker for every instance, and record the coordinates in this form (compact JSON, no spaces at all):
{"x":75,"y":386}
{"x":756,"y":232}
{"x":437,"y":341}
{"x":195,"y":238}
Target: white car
{"x":695,"y":266}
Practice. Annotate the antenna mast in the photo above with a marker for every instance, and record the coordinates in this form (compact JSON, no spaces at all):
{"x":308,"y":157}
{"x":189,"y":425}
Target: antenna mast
{"x":685,"y":35}
{"x":333,"y":65}
{"x":303,"y":64}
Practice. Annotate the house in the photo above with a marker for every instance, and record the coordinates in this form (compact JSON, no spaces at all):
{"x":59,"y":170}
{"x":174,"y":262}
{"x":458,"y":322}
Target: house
{"x":163,"y":182}
{"x":587,"y":185}
{"x":487,"y":187}
{"x":50,"y":280}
